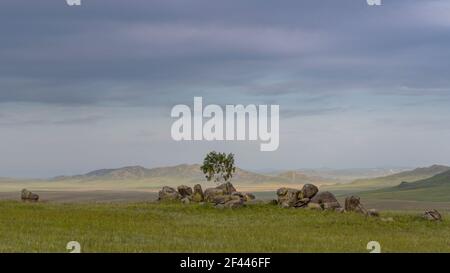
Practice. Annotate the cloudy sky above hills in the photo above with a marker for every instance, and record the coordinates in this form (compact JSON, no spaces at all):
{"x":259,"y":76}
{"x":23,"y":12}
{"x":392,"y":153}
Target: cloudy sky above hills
{"x":90,"y":87}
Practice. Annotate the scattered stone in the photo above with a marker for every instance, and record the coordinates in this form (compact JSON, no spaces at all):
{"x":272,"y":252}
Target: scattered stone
{"x":27,"y":195}
{"x":287,"y":197}
{"x":168,"y":194}
{"x":388,"y":219}
{"x":432,"y":215}
{"x":308,"y":191}
{"x":326,"y":200}
{"x":184,"y":191}
{"x":198,"y":196}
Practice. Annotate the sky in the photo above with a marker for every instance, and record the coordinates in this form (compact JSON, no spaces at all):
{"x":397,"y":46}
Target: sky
{"x":90,"y":87}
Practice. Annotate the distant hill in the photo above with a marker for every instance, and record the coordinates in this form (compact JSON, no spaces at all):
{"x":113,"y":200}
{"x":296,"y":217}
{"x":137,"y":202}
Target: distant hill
{"x":369,"y":184}
{"x":301,"y":178}
{"x":352,"y":174}
{"x":181,"y":173}
{"x":435,"y":188}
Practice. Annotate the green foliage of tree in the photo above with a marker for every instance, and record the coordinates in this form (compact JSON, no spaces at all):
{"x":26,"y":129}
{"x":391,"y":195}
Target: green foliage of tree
{"x":218,"y":167}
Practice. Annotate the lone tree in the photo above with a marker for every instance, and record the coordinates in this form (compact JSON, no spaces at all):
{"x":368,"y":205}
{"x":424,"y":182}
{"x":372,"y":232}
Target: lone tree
{"x":218,"y":167}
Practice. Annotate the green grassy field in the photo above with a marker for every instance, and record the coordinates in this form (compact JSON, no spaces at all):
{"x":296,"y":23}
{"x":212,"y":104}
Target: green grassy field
{"x":152,"y":227}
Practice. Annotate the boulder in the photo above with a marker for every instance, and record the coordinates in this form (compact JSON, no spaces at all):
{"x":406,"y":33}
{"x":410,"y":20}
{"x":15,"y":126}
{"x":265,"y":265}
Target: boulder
{"x":287,"y":197}
{"x":27,"y":195}
{"x":168,"y":194}
{"x":326,"y":200}
{"x":432,"y":215}
{"x":184,"y":191}
{"x":211,"y":193}
{"x":353,"y":203}
{"x":308,"y":191}
{"x":198,"y":196}
{"x":227,"y":188}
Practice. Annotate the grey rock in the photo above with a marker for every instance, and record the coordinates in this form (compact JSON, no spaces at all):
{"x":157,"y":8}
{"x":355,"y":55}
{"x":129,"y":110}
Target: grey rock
{"x":184,"y":191}
{"x":326,"y":200}
{"x":309,"y":191}
{"x":432,"y":215}
{"x":198,"y":196}
{"x":27,"y":195}
{"x":168,"y":194}
{"x":287,"y":197}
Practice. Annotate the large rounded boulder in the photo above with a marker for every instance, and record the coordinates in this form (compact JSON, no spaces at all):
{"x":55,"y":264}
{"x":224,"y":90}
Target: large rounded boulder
{"x":325,"y":200}
{"x":309,"y":191}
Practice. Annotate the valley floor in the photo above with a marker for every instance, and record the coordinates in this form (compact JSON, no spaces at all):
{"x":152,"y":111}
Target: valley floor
{"x":154,"y":227}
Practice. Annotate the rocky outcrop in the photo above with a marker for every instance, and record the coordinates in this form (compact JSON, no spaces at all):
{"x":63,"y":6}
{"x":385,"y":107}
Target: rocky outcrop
{"x":168,"y":194}
{"x":27,"y":195}
{"x":222,"y":196}
{"x":432,"y":215}
{"x":308,"y":197}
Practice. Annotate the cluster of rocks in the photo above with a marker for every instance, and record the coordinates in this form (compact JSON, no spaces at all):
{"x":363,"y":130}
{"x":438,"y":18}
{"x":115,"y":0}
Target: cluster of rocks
{"x":222,"y":196}
{"x":310,"y":197}
{"x":27,"y":195}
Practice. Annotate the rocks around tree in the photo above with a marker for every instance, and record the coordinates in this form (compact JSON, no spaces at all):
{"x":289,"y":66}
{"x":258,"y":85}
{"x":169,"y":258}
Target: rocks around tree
{"x":222,"y":196}
{"x":28,"y":196}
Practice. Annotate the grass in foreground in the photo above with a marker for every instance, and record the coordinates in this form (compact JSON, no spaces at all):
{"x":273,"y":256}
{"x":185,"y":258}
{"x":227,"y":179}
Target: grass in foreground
{"x":151,"y":227}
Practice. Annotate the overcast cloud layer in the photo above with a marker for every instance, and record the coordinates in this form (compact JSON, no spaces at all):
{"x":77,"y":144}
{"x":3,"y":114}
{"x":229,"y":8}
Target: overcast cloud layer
{"x":91,"y":87}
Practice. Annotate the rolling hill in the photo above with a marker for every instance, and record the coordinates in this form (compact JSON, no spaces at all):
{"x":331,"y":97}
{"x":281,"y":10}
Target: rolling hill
{"x":435,"y":188}
{"x":390,"y":180}
{"x":186,"y":173}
